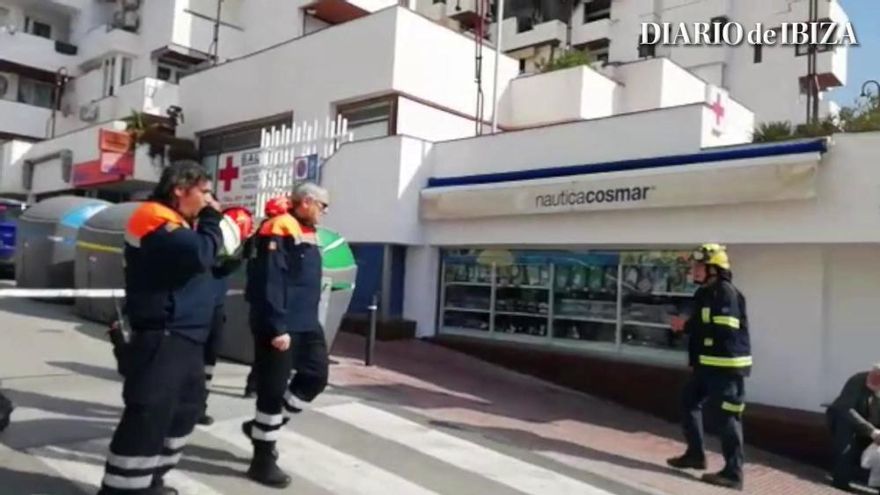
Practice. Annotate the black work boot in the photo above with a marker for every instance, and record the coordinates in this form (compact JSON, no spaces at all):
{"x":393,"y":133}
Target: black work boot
{"x":205,"y":420}
{"x":263,"y":468}
{"x":6,"y":409}
{"x":157,"y":487}
{"x":722,"y":479}
{"x":687,"y":461}
{"x":246,"y":429}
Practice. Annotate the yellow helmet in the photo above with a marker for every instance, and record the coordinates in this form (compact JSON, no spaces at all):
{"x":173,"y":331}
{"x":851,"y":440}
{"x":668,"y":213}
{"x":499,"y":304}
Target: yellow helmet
{"x":712,"y":254}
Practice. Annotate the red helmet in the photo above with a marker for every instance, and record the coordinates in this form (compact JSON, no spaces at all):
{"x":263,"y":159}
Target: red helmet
{"x":278,"y":205}
{"x":242,"y":218}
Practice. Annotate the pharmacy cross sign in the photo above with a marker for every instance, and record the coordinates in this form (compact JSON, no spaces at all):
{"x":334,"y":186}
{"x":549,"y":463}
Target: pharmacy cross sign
{"x":718,"y":109}
{"x":228,"y":174}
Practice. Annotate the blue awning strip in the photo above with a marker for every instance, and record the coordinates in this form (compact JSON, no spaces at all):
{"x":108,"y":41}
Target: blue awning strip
{"x":739,"y":153}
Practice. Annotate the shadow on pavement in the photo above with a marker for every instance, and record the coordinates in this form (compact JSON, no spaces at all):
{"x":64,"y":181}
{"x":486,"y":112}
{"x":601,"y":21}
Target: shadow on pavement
{"x":62,"y":405}
{"x":93,"y":371}
{"x":38,"y":309}
{"x":24,"y":482}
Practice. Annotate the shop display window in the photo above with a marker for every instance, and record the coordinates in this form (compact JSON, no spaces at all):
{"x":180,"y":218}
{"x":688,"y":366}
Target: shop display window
{"x":609,"y":299}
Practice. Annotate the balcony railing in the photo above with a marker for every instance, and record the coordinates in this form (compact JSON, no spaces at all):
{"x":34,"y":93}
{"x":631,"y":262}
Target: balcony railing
{"x":35,"y":51}
{"x":23,"y":119}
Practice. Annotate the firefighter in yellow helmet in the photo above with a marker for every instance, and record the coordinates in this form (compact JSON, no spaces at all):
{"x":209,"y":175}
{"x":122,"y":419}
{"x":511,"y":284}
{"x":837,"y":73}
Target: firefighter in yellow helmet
{"x":720,"y":357}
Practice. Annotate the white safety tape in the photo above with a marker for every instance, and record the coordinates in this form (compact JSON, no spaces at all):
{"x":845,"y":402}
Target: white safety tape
{"x":81,"y":293}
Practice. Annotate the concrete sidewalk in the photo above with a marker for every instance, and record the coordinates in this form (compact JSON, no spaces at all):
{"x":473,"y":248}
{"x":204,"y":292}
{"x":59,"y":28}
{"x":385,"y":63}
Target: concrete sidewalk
{"x":457,"y":392}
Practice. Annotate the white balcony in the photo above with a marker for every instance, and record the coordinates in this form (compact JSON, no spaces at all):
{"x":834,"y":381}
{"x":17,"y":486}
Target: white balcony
{"x":584,"y":33}
{"x":104,"y":40}
{"x":551,"y":32}
{"x":577,"y":93}
{"x":146,"y":95}
{"x":24,"y":120}
{"x":34,"y":51}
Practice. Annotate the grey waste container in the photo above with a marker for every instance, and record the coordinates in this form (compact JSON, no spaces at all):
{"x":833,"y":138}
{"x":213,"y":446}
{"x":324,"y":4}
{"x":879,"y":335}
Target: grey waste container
{"x":98,"y":262}
{"x":46,"y":242}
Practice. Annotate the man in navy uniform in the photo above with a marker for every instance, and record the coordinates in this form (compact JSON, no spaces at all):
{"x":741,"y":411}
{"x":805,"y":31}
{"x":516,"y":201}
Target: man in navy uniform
{"x":170,"y":294}
{"x":721,"y":358}
{"x":284,"y":292}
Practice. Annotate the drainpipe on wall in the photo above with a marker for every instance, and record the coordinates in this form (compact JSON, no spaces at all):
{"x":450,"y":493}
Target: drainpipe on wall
{"x":27,"y":169}
{"x":385,"y":299}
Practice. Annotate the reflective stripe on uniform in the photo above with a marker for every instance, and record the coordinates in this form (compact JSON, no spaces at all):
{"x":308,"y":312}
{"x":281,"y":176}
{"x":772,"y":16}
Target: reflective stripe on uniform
{"x":726,"y":362}
{"x":176,"y":443}
{"x":132,"y":462}
{"x":727,"y":321}
{"x":734,"y":408}
{"x":269,"y":419}
{"x":265,"y":436}
{"x":169,"y":460}
{"x":707,"y":313}
{"x":708,"y":342}
{"x":128,"y":483}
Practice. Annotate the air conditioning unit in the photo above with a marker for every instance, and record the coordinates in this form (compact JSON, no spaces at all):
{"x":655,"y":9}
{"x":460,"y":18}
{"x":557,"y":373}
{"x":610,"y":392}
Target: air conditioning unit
{"x":131,"y":20}
{"x":89,"y":113}
{"x":118,"y":19}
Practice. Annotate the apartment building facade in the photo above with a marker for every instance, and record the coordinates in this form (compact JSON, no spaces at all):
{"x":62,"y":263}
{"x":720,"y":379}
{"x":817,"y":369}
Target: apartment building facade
{"x":70,"y":70}
{"x":771,"y":80}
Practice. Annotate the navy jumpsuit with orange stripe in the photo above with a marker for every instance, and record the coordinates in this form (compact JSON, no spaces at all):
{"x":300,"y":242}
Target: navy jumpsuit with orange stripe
{"x":170,"y":295}
{"x":284,"y":292}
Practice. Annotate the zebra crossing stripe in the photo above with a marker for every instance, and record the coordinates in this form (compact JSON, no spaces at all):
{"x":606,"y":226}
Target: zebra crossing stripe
{"x":326,"y":467}
{"x":83,"y":465}
{"x":465,"y":455}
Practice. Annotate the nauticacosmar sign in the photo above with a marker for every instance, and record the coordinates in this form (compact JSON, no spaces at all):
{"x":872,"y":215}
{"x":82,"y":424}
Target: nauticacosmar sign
{"x":742,"y":181}
{"x":611,"y":195}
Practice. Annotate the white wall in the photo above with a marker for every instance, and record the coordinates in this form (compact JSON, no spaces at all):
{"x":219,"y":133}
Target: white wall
{"x":738,"y":127}
{"x":296,"y":76}
{"x":26,"y":120}
{"x":647,"y":134}
{"x":157,"y":25}
{"x":33,"y":51}
{"x":10,"y":177}
{"x":642,"y":91}
{"x":563,"y":95}
{"x":420,"y":44}
{"x":678,"y":86}
{"x":851,"y":340}
{"x":422,"y":121}
{"x":47,"y":176}
{"x":393,"y":170}
{"x":783,"y":286}
{"x":420,"y":287}
{"x":268,"y":22}
{"x":197,"y":32}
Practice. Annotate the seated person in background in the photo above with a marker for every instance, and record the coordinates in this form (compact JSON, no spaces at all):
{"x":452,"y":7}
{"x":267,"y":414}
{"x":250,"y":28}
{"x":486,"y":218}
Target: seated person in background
{"x":854,"y":420}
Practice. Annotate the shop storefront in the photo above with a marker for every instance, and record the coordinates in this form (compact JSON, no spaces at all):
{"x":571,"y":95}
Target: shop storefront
{"x":615,"y":302}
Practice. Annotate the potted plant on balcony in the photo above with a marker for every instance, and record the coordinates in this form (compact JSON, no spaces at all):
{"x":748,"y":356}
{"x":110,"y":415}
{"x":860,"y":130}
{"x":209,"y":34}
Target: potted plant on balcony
{"x":567,"y":59}
{"x":159,"y":134}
